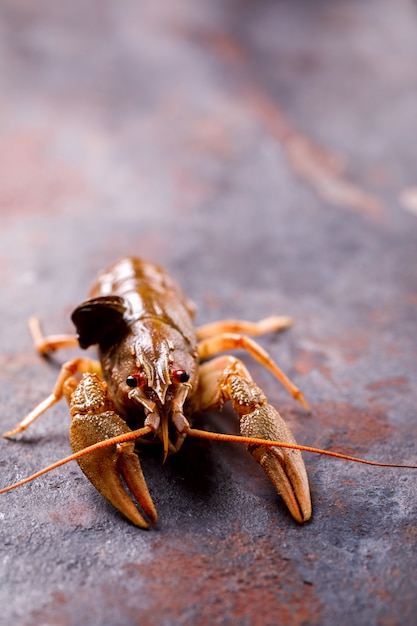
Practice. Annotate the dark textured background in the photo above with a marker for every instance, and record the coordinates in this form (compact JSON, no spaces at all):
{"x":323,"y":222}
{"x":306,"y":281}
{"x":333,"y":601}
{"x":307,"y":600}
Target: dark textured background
{"x":265,"y":153}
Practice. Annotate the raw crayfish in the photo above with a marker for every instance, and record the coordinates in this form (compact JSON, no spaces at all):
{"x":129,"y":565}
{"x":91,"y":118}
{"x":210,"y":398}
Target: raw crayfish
{"x":152,"y":376}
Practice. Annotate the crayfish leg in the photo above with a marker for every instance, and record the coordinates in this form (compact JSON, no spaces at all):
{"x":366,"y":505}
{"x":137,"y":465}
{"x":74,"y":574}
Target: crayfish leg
{"x":68,"y":370}
{"x":231,"y":341}
{"x":50,"y":343}
{"x":275,"y":323}
{"x":226,"y":378}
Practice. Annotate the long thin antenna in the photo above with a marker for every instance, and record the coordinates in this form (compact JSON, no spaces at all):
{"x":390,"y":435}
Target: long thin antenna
{"x":202,"y":434}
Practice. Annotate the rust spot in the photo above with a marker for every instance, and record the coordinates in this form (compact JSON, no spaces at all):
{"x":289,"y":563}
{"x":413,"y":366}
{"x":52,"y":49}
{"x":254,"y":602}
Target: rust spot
{"x":194,"y":189}
{"x":322,"y":169}
{"x":74,"y":515}
{"x":208,"y":579}
{"x":59,"y":597}
{"x":223,"y":44}
{"x":250,"y":589}
{"x":351,"y":346}
{"x":209,"y":135}
{"x":386,"y":389}
{"x":32,"y":179}
{"x":308,"y":360}
{"x":395,"y":383}
{"x":411,"y":298}
{"x":349,"y":482}
{"x":349,"y":429}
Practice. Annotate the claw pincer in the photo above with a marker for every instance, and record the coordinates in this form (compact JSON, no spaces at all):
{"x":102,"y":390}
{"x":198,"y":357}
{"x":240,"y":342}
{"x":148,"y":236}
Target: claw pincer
{"x":94,"y":419}
{"x":284,"y":467}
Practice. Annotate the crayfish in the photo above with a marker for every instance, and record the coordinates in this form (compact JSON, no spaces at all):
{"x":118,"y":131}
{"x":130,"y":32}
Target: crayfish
{"x":154,"y":373}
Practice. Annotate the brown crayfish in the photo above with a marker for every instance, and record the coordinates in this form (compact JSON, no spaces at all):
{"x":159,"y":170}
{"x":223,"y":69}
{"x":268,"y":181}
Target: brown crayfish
{"x":153,"y":372}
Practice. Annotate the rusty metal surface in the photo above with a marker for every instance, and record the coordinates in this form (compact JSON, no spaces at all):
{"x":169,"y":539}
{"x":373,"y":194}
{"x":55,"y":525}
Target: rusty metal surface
{"x":265,"y":153}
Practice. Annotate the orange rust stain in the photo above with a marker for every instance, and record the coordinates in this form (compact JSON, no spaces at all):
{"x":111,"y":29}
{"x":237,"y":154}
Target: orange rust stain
{"x":32,"y":180}
{"x":340,"y":505}
{"x":387,"y":389}
{"x":307,"y":360}
{"x":351,"y":429}
{"x":349,"y":482}
{"x":411,"y":299}
{"x":410,"y":535}
{"x":353,"y":346}
{"x":383,"y":594}
{"x":322,"y":169}
{"x":211,"y":135}
{"x":395,"y":383}
{"x":59,"y":597}
{"x":74,"y":515}
{"x":223,"y":44}
{"x":349,"y":348}
{"x":226,"y":47}
{"x":239,"y":579}
{"x":194,"y":191}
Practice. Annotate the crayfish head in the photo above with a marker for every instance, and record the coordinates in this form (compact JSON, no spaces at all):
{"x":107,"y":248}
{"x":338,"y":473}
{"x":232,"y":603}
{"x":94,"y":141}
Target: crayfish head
{"x":152,"y":369}
{"x":163,"y":360}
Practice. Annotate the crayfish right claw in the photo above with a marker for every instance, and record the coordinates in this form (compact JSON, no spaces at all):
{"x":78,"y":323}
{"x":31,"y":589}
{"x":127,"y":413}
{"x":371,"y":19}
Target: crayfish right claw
{"x":286,"y":471}
{"x":106,"y":467}
{"x":284,"y":467}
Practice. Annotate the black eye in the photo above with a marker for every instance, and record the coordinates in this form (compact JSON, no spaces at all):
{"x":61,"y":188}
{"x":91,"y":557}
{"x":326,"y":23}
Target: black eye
{"x":180,"y":376}
{"x":136,"y":380}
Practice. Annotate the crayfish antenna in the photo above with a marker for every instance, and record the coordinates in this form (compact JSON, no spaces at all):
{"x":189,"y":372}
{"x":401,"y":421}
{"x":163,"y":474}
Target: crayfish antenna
{"x":204,"y":434}
{"x":130,"y":436}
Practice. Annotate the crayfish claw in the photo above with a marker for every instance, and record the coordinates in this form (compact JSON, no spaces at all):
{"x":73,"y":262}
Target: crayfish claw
{"x":106,"y":467}
{"x":129,"y":466}
{"x":284,"y":467}
{"x":287,"y":473}
{"x":259,"y":419}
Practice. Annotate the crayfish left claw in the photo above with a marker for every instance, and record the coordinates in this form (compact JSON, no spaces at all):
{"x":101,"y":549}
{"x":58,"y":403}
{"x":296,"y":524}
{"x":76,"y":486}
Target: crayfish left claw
{"x":106,"y":467}
{"x":93,"y":421}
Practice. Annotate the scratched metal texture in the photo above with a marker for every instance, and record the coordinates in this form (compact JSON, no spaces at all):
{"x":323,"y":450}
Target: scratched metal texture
{"x":265,"y":153}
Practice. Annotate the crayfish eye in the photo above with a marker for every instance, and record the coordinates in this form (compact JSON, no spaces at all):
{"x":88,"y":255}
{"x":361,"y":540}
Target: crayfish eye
{"x":180,"y":376}
{"x":136,"y":380}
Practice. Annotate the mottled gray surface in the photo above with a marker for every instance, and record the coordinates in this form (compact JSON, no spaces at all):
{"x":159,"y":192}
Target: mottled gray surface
{"x":265,"y":153}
